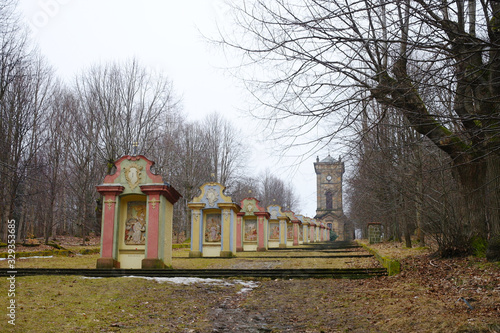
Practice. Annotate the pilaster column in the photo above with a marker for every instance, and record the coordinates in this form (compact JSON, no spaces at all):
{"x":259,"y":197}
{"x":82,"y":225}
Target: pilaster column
{"x":228,"y":239}
{"x":283,"y":231}
{"x":261,"y":234}
{"x":239,"y":228}
{"x":196,"y":229}
{"x":296,"y":225}
{"x":110,"y":194}
{"x":305,"y":230}
{"x":153,"y":253}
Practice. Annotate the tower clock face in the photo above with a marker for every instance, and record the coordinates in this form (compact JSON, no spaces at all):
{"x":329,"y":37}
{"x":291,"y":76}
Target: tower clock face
{"x":328,"y":177}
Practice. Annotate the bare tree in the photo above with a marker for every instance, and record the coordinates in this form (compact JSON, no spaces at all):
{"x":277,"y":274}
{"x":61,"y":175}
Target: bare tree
{"x":130,"y":104}
{"x":25,"y":85}
{"x":274,"y":191}
{"x":224,"y":148}
{"x":183,"y":161}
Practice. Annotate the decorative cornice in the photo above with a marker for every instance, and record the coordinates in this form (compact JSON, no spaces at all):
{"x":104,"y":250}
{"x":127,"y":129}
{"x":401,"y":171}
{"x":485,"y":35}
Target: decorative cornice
{"x":230,"y":205}
{"x":196,"y":205}
{"x":167,"y":191}
{"x":264,"y":214}
{"x":110,"y":189}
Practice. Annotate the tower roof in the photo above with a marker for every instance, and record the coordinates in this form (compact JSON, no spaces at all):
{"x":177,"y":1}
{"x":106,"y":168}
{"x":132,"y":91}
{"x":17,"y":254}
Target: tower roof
{"x":328,"y":159}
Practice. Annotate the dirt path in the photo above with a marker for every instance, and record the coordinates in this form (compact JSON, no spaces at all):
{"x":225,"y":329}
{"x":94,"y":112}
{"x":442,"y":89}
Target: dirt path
{"x":231,"y":317}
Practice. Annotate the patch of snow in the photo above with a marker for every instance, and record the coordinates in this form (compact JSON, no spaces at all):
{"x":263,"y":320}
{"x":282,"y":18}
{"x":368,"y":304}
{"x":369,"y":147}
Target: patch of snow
{"x":34,"y":257}
{"x":247,"y":285}
{"x":92,"y":277}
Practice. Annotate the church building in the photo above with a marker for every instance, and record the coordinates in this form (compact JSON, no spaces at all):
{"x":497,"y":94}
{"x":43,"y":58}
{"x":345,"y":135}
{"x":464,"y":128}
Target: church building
{"x":329,"y":176}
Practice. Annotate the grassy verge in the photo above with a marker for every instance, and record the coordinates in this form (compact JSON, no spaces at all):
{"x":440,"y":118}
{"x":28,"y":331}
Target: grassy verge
{"x":76,"y":304}
{"x":393,"y":266}
{"x":424,"y":297}
{"x":388,"y":304}
{"x":391,"y":254}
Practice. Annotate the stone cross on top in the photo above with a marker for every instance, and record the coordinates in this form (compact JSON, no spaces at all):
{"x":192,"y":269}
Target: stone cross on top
{"x":135,"y":144}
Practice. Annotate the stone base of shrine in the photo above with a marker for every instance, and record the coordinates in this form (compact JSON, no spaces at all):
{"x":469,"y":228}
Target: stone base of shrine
{"x":226,"y":254}
{"x":107,"y":263}
{"x":150,"y":263}
{"x":250,"y":247}
{"x":282,"y":246}
{"x":194,"y":254}
{"x":273,"y":244}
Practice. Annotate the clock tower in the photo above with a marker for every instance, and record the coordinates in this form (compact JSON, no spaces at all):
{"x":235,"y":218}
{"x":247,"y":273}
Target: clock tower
{"x":329,"y":175}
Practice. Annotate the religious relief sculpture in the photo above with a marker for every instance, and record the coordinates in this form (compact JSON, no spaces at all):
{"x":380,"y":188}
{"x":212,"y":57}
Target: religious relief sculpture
{"x":213,"y":228}
{"x":133,"y":175}
{"x":251,"y":230}
{"x":289,"y":232}
{"x":135,"y":225}
{"x":274,"y":231}
{"x":212,"y":196}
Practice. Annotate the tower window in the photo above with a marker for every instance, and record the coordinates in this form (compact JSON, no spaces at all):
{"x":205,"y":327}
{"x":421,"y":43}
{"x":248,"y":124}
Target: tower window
{"x":329,"y":200}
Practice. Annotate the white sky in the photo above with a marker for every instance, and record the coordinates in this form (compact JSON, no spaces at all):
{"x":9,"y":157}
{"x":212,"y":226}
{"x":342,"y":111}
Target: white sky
{"x":166,"y":36}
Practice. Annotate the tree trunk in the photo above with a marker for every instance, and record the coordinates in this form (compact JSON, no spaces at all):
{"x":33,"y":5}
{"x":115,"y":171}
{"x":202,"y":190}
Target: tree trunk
{"x":472,"y":177}
{"x":404,"y":220}
{"x":493,"y":194}
{"x":419,"y":198}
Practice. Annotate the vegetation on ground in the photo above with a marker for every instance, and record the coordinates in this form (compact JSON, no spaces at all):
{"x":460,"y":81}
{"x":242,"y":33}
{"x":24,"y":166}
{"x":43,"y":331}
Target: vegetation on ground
{"x":429,"y":295}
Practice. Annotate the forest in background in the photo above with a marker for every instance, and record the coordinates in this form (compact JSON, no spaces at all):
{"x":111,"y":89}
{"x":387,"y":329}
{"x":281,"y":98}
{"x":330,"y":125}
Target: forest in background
{"x":411,"y":88}
{"x":58,"y":141}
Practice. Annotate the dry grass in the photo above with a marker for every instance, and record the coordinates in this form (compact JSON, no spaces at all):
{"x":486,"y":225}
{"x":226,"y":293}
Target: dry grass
{"x":398,"y":251}
{"x":76,"y":304}
{"x":78,"y":261}
{"x":425,"y":297}
{"x":244,"y":260}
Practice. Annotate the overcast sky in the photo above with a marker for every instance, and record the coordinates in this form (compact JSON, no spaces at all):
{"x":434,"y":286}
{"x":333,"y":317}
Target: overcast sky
{"x":165,"y":36}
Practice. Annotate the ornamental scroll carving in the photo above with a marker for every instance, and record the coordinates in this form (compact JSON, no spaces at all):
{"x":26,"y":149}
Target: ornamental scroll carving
{"x":196,"y":215}
{"x":212,"y":196}
{"x":133,"y":174}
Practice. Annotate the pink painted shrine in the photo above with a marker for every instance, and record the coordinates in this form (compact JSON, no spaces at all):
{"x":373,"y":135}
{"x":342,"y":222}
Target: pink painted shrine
{"x":252,"y":226}
{"x":136,"y":216}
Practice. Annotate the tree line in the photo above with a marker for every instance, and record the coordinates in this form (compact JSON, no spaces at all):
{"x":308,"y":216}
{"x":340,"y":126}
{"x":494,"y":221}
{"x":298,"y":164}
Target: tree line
{"x":58,"y":140}
{"x":415,"y":85}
